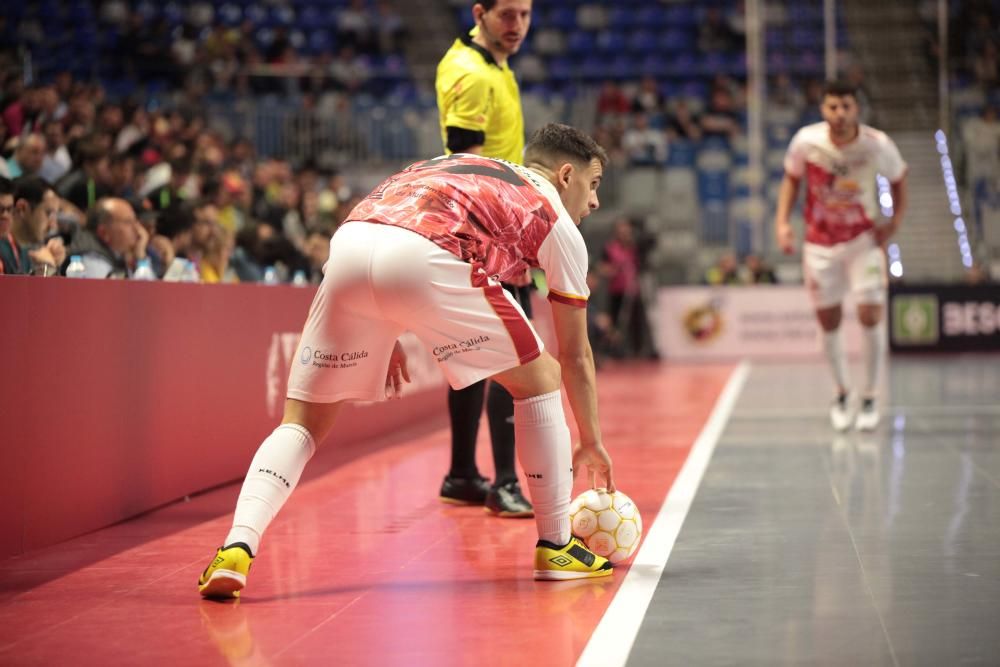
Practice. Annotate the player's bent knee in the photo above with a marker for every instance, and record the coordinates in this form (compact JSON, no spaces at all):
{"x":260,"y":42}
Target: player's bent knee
{"x":870,"y":314}
{"x":317,"y":418}
{"x":539,"y":376}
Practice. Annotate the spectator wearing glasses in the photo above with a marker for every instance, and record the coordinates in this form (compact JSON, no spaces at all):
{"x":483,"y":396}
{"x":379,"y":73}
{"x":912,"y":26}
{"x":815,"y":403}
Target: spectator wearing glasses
{"x":30,"y":246}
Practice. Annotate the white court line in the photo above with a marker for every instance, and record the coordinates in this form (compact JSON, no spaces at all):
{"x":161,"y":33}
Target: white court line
{"x":612,"y":640}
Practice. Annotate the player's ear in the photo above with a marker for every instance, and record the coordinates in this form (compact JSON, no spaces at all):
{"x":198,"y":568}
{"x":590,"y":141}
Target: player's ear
{"x":477,"y":12}
{"x":564,"y":174}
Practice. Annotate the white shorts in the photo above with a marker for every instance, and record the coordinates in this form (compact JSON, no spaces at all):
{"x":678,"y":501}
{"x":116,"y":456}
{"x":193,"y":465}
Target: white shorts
{"x":382,"y":280}
{"x":857,"y":265}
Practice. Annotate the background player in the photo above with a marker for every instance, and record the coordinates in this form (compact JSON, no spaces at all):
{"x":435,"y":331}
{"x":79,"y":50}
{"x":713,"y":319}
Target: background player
{"x":424,"y":252}
{"x":480,"y":112}
{"x":843,"y":247}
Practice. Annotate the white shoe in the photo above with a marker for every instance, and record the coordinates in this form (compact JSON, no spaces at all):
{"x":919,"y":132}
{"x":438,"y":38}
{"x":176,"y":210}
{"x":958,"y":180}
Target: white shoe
{"x":840,"y":413}
{"x":868,"y":416}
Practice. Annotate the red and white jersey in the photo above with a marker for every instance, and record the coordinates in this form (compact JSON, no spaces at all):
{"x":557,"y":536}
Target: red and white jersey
{"x":500,"y":217}
{"x":841,"y":191}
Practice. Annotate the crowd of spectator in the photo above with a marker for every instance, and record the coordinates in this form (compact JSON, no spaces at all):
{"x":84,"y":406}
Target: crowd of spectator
{"x":118,"y":182}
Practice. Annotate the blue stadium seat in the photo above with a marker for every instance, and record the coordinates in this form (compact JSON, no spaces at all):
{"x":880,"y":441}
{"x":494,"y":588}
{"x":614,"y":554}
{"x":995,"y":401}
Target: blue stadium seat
{"x":651,"y":17}
{"x":642,"y":41}
{"x":621,"y":18}
{"x":610,"y":41}
{"x":682,"y":154}
{"x":581,"y":43}
{"x":562,"y":18}
{"x":677,"y":40}
{"x":230,"y":14}
{"x":654,"y":64}
{"x":683,"y":16}
{"x":319,"y":41}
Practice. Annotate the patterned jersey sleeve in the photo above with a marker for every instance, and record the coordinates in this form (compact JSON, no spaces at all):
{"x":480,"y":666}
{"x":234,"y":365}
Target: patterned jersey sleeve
{"x":795,"y":158}
{"x":563,"y":257}
{"x":890,"y":162}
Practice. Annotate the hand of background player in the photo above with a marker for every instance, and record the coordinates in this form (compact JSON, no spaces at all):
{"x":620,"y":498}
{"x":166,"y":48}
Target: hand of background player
{"x":397,"y":373}
{"x":884,"y":232}
{"x":596,"y":458}
{"x":785,"y":238}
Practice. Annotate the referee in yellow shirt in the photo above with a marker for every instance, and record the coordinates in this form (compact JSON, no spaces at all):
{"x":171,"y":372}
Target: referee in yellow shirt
{"x":480,"y":111}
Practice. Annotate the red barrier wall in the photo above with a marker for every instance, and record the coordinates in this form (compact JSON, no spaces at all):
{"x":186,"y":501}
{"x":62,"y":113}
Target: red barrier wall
{"x":117,"y":397}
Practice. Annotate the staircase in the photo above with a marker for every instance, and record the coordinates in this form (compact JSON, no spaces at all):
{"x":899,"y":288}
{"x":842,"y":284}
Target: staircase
{"x":887,"y":40}
{"x":927,"y":241}
{"x":431,"y":29}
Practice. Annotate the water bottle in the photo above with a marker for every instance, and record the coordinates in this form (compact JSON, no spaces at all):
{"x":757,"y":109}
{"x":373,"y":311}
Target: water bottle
{"x":143,"y":270}
{"x":76,"y":268}
{"x":191,"y":273}
{"x":299,"y":279}
{"x":270,"y":276}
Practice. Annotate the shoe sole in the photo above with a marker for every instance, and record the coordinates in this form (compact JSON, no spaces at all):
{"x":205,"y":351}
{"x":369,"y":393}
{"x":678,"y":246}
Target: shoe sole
{"x":556,"y":575}
{"x":457,"y":501}
{"x":223,"y":584}
{"x":506,"y":514}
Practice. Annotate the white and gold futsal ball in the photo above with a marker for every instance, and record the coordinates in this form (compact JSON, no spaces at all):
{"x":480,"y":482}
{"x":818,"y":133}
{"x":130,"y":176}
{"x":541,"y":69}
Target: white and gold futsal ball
{"x":608,"y":523}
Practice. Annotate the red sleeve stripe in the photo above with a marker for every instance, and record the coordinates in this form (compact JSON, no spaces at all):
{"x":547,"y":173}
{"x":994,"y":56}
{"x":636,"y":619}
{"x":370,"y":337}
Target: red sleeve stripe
{"x":567,"y":299}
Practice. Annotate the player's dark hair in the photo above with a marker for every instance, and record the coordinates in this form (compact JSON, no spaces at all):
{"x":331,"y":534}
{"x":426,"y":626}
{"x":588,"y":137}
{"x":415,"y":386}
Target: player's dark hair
{"x":555,"y":141}
{"x":840,"y":88}
{"x":487,"y":4}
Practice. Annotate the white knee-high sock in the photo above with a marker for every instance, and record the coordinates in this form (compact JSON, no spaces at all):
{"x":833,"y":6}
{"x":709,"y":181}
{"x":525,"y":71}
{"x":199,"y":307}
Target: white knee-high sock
{"x":875,"y":345}
{"x":833,"y":345}
{"x":273,"y":474}
{"x":542,"y":441}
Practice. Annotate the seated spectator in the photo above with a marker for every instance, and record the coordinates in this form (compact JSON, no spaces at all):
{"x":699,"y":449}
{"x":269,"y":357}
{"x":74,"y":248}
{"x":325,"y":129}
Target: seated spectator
{"x":725,"y":272}
{"x":354,"y":27}
{"x":721,"y":118}
{"x":57,"y":161}
{"x":113,"y":240}
{"x":643,"y":144}
{"x":88,"y":182}
{"x":755,"y":272}
{"x":612,"y":100}
{"x":28,"y":156}
{"x":714,"y":33}
{"x":216,"y":251}
{"x":317,"y":250}
{"x":27,"y":248}
{"x":682,"y":123}
{"x":648,"y":99}
{"x":391,"y":29}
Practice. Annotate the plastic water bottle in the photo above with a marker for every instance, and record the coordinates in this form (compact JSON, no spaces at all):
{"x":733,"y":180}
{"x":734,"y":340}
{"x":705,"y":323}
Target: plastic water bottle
{"x":143,"y":270}
{"x":76,"y":268}
{"x":299,"y":279}
{"x":270,"y":276}
{"x":191,"y":273}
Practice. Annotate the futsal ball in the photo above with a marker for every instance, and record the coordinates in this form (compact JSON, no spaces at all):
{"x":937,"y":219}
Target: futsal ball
{"x":608,"y":523}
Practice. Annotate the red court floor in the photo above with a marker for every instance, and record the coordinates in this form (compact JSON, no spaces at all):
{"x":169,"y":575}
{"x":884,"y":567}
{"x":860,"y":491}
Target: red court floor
{"x":364,"y":566}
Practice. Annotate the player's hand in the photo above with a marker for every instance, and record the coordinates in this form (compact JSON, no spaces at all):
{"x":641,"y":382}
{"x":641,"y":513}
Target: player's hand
{"x":785,"y":237}
{"x":884,"y":232}
{"x":596,"y":458}
{"x":397,"y":373}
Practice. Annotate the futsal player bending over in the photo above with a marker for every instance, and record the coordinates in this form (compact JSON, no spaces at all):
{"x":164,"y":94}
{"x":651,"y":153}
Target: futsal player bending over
{"x":425,"y":252}
{"x":843,"y":248}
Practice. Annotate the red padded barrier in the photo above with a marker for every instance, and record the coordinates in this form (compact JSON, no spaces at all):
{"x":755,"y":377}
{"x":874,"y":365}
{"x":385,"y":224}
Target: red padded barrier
{"x":117,"y":397}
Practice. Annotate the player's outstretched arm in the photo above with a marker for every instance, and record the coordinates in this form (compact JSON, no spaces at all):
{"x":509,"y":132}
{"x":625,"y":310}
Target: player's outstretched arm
{"x":576,"y":360}
{"x":783,"y":232}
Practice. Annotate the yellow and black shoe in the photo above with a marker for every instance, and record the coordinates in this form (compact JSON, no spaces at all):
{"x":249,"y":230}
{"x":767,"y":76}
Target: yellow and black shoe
{"x":226,"y":575}
{"x":570,"y":561}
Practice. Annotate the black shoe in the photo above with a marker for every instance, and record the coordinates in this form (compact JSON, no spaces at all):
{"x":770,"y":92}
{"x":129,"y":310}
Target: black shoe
{"x":465,"y":490}
{"x":506,"y":500}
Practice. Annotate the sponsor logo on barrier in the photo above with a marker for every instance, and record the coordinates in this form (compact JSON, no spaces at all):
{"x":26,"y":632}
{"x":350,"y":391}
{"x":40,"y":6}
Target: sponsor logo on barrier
{"x":971,"y":318}
{"x":915,"y":319}
{"x":703,"y":323}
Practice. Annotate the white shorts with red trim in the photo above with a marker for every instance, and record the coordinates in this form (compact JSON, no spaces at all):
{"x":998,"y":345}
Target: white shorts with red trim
{"x":382,"y":280}
{"x":857,"y":265}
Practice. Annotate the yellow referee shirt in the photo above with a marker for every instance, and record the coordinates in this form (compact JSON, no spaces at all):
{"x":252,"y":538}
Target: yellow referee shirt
{"x":475,"y":93}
